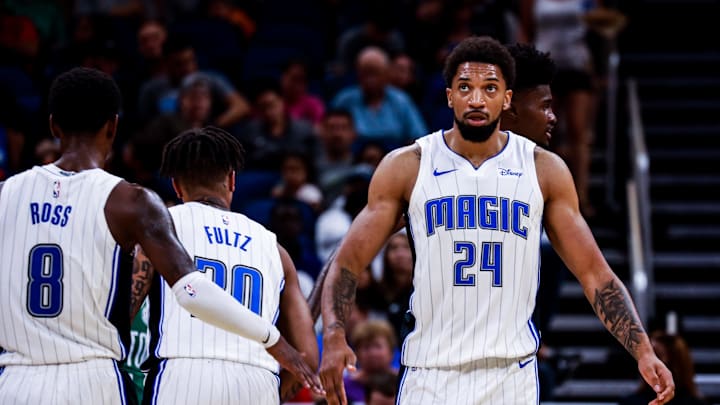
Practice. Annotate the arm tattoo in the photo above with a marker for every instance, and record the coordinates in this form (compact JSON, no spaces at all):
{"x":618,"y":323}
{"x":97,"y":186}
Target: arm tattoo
{"x":614,"y":308}
{"x":343,"y":297}
{"x":141,"y":278}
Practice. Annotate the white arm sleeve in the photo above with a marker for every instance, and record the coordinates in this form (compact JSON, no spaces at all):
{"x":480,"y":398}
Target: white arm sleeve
{"x":204,"y":299}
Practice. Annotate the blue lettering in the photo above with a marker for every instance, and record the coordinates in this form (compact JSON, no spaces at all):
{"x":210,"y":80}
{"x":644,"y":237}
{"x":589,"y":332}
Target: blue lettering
{"x":218,"y":235}
{"x":209,"y":235}
{"x":46,"y":210}
{"x":438,"y":213}
{"x":227,"y":238}
{"x":504,"y":215}
{"x":49,"y":213}
{"x":247,"y":240}
{"x":35,"y":213}
{"x":66,"y":216}
{"x":56,"y":215}
{"x":488,"y":212}
{"x":237,"y":239}
{"x":466,"y":212}
{"x":520,"y":208}
{"x":488,"y":216}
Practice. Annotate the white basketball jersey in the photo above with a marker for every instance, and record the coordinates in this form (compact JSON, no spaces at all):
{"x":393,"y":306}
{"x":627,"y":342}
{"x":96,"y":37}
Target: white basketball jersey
{"x":61,"y":293}
{"x":239,"y":255}
{"x":476,"y":236}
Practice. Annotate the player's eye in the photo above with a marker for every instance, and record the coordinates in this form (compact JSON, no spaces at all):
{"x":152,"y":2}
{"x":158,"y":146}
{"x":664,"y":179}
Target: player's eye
{"x":463,"y":87}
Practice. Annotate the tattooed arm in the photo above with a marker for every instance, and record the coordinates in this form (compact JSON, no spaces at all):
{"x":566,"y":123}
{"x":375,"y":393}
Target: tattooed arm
{"x":572,"y":239}
{"x":142,"y":275}
{"x":387,"y":198}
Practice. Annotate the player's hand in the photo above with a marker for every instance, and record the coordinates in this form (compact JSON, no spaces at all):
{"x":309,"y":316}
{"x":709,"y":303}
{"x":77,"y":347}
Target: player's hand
{"x":657,"y":375}
{"x":289,"y":386}
{"x":293,"y":362}
{"x":336,"y":357}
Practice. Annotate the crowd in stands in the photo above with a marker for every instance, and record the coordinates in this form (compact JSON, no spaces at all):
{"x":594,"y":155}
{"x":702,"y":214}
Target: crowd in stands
{"x":318,"y":91}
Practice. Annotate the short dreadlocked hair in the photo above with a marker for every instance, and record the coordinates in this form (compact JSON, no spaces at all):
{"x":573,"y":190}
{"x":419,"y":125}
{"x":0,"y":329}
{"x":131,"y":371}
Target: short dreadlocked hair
{"x":482,"y":49}
{"x":533,"y":68}
{"x":202,"y":156}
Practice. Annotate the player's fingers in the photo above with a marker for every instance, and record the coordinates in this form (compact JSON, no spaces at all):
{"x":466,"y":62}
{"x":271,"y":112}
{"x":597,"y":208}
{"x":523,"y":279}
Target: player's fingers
{"x":327,"y":378}
{"x":666,"y":385}
{"x":351,"y":362}
{"x":313,"y":382}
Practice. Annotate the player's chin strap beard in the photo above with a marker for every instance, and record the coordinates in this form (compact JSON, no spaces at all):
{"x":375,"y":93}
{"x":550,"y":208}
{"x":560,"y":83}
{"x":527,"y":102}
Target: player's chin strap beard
{"x":213,"y":202}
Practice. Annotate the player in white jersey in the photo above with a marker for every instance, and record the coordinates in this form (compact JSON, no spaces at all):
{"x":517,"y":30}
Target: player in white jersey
{"x":66,"y":230}
{"x":239,"y":255}
{"x":476,"y":199}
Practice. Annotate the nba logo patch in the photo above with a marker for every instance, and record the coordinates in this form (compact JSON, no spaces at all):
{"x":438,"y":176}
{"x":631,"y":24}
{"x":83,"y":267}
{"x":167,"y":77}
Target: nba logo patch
{"x":190,"y":290}
{"x":56,"y":189}
{"x":226,"y":220}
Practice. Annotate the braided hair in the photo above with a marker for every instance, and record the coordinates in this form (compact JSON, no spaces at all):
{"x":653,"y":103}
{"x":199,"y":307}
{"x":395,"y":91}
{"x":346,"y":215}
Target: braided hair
{"x":202,"y":156}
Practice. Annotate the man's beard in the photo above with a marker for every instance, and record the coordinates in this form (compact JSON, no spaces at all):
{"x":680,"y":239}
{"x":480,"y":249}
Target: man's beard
{"x":474,"y":133}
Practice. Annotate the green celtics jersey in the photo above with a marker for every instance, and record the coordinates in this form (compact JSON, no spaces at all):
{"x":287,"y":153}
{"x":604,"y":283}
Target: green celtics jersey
{"x":139,"y":344}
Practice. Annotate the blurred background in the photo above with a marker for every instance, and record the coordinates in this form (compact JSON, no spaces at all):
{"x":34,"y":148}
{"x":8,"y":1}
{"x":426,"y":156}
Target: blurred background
{"x":319,"y":91}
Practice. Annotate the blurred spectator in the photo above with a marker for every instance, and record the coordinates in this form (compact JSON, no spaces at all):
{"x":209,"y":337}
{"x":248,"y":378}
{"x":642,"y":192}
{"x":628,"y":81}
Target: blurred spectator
{"x":160,"y":94}
{"x":374,"y":342}
{"x":290,"y":222}
{"x":143,"y":153}
{"x":557,"y":27}
{"x":404,"y":76}
{"x":674,"y":352}
{"x":298,"y":101}
{"x":371,"y":152}
{"x":397,"y":280}
{"x":298,"y":181}
{"x":151,"y":38}
{"x":272,"y":133}
{"x":381,"y":389}
{"x":369,"y":295}
{"x":380,"y":111}
{"x":334,"y":222}
{"x":334,"y":159}
{"x":17,"y":108}
{"x":378,"y":30}
{"x":117,"y":8}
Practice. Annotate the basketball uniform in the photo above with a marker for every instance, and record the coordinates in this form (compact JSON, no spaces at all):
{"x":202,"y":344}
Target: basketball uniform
{"x":476,"y":237}
{"x":194,"y":362}
{"x":64,"y":290}
{"x":139,"y":346}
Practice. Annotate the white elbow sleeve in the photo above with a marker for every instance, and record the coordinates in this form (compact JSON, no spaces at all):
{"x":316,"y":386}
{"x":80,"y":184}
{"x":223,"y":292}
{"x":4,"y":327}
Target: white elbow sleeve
{"x":204,"y":299}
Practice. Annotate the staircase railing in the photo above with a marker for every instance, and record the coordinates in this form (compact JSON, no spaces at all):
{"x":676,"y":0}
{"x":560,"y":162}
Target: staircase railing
{"x":639,"y":215}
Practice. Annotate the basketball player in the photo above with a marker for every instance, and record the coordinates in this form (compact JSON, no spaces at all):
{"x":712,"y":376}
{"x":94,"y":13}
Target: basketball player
{"x":476,"y":199}
{"x":66,"y":232}
{"x":241,"y":256}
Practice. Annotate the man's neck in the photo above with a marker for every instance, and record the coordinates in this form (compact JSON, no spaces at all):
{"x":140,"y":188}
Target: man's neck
{"x":213,"y":199}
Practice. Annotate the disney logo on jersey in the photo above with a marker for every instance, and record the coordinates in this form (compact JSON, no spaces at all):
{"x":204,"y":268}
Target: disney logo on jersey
{"x":509,"y":172}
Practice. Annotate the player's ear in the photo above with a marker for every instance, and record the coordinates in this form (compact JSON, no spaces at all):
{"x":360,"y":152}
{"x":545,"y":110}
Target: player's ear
{"x":231,"y":181}
{"x":448,"y":92}
{"x":507,"y":102}
{"x":54,"y":129}
{"x":112,"y":127}
{"x":177,"y":188}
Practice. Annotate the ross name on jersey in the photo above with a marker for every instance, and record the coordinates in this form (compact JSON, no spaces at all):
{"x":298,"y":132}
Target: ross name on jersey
{"x":477,"y":212}
{"x":223,"y":236}
{"x":56,"y":214}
